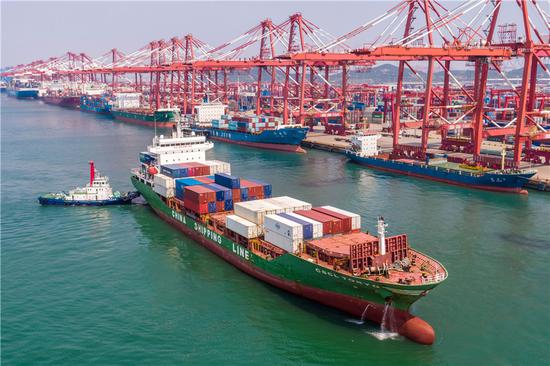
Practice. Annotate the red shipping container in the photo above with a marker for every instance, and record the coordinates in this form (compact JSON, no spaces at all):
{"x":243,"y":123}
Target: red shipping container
{"x":205,"y":180}
{"x":220,"y":206}
{"x":331,"y":225}
{"x":254,"y":189}
{"x":200,"y":208}
{"x":236,"y":195}
{"x":346,"y":220}
{"x":199,"y":194}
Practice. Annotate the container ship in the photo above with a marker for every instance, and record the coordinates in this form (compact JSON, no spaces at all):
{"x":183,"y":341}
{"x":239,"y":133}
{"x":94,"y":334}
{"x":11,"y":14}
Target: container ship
{"x":364,"y":151}
{"x":23,"y":90}
{"x":62,"y":100}
{"x":319,"y":253}
{"x":95,"y":104}
{"x":163,"y":117}
{"x":260,"y":132}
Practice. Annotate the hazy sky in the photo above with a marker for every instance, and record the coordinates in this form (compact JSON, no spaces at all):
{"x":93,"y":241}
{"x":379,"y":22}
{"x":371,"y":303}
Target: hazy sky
{"x":38,"y":30}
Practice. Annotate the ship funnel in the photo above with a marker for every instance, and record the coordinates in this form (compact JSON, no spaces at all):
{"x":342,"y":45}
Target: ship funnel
{"x":92,"y":172}
{"x":381,"y":235}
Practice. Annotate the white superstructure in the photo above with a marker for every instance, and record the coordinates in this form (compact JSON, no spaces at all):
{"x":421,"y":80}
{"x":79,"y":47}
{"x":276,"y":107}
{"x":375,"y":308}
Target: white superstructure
{"x":179,"y":148}
{"x":98,"y":190}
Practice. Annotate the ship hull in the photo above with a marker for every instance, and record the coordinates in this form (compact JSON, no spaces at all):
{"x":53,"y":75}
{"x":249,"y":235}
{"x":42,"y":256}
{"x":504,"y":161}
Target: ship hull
{"x":357,"y":297}
{"x":281,"y":140}
{"x":509,"y":183}
{"x":142,"y":119}
{"x":23,"y":94}
{"x":61,"y":202}
{"x":94,"y":109}
{"x":64,"y":101}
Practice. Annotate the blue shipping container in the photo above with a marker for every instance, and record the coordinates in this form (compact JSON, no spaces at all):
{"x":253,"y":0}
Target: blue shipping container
{"x":268,"y":189}
{"x":185,"y":182}
{"x":244,"y":194}
{"x":222,"y":193}
{"x":227,"y":205}
{"x":306,"y":226}
{"x":174,"y":171}
{"x":227,"y":180}
{"x":211,"y":207}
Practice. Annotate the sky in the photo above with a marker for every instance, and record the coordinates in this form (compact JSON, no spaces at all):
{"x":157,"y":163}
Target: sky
{"x":38,"y":30}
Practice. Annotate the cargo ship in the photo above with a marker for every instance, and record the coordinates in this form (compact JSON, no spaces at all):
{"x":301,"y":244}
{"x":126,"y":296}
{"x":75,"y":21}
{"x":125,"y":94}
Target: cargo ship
{"x":364,"y":151}
{"x":95,"y":104}
{"x":162,"y":118}
{"x":66,"y":101}
{"x":23,"y":90}
{"x":317,"y":253}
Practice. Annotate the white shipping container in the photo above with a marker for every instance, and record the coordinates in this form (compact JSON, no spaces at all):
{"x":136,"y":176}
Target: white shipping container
{"x":163,"y":191}
{"x":217,"y":166}
{"x":290,"y":245}
{"x":284,"y":227}
{"x":355,"y":218}
{"x":317,"y":226}
{"x":164,"y":181}
{"x":256,"y":210}
{"x":289,"y":204}
{"x":242,"y":226}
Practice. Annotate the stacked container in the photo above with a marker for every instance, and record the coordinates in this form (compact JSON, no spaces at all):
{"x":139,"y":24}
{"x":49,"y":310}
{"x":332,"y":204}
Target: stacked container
{"x":217,"y":166}
{"x":224,"y":197}
{"x":289,"y":204}
{"x":355,"y":218}
{"x":331,"y":225}
{"x":163,"y":185}
{"x":184,"y":170}
{"x":200,"y":199}
{"x":185,"y":182}
{"x":284,"y":233}
{"x":317,"y":227}
{"x":344,"y":219}
{"x":255,"y":211}
{"x":242,"y":226}
{"x":227,"y":180}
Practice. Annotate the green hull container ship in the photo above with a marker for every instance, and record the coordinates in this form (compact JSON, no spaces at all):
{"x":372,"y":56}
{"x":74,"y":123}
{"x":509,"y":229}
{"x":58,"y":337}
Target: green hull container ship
{"x":373,"y":282}
{"x":162,"y":118}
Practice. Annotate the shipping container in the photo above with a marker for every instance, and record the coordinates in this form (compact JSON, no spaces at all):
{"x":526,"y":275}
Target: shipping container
{"x":355,"y":218}
{"x":283,"y":226}
{"x":288,"y":244}
{"x":345,"y":219}
{"x":197,"y":207}
{"x":181,"y":183}
{"x":331,"y":225}
{"x":268,"y":190}
{"x":217,"y":166}
{"x":184,"y":170}
{"x":227,"y":180}
{"x":199,"y":194}
{"x":222,"y":193}
{"x":146,"y":158}
{"x":255,"y":211}
{"x":228,"y":205}
{"x":243,"y":227}
{"x":289,"y":204}
{"x":307,"y":227}
{"x":205,"y":180}
{"x":316,"y":225}
{"x":163,"y":191}
{"x":253,"y":189}
{"x":163,"y":181}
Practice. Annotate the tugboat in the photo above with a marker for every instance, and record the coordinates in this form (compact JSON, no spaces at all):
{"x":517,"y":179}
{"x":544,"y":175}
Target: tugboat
{"x":96,"y":193}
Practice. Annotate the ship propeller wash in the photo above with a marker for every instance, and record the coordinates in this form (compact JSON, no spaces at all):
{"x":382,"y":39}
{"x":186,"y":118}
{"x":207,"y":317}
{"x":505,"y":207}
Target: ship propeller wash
{"x":319,"y":253}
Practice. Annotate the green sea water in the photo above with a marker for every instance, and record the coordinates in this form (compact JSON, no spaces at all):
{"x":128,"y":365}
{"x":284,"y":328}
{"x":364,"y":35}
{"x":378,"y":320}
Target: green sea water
{"x":112,"y":286}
